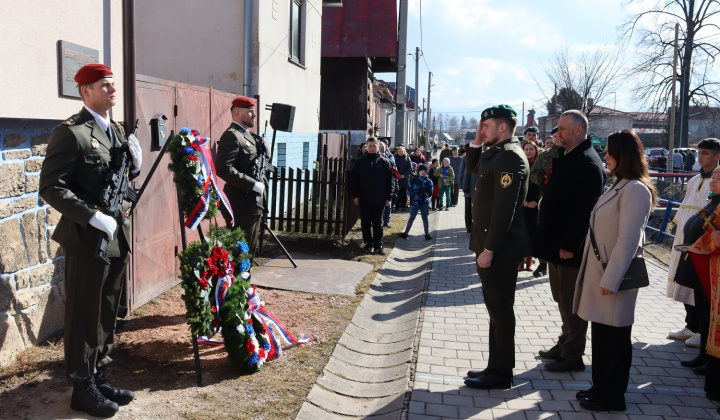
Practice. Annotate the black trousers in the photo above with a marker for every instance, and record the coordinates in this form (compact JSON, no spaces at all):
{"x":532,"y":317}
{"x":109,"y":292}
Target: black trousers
{"x":455,"y":194}
{"x":562,"y":285}
{"x":712,"y":377}
{"x":498,"y":286}
{"x":691,"y":320}
{"x":401,"y":202}
{"x":468,"y":213}
{"x":702,"y":313}
{"x":371,"y":223}
{"x":611,"y":361}
{"x":92,"y":298}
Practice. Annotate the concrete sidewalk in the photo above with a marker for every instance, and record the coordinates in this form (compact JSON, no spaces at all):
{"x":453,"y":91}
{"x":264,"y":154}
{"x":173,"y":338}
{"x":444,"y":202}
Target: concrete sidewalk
{"x":454,"y":333}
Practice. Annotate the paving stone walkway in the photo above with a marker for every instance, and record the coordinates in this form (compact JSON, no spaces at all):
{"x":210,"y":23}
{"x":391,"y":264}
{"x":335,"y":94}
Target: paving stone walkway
{"x":424,"y":324}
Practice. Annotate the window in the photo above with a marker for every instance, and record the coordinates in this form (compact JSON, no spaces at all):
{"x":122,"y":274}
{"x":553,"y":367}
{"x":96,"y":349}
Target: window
{"x":306,"y":154}
{"x":281,"y":155}
{"x":295,"y":32}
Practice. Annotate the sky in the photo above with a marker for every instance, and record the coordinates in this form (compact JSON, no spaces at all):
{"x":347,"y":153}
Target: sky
{"x":486,"y":52}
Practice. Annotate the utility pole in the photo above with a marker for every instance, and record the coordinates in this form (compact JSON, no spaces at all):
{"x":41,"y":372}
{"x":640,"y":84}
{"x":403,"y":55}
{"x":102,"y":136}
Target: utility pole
{"x":423,"y":123}
{"x":417,"y":93}
{"x":429,"y":110}
{"x":400,"y":100}
{"x":671,"y":145}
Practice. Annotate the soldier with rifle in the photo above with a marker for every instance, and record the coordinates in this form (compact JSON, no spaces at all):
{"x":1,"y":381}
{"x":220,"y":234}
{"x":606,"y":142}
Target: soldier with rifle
{"x":242,"y":162}
{"x":85,"y":177}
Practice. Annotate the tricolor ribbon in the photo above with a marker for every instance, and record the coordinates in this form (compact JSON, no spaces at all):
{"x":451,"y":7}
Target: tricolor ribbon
{"x":256,"y":308}
{"x":208,"y":173}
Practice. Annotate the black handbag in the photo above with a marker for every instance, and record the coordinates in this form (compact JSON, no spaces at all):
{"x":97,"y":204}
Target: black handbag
{"x":636,"y":275}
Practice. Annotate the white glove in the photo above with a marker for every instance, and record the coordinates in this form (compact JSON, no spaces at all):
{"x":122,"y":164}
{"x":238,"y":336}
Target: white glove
{"x":104,"y":223}
{"x":259,"y":187}
{"x":135,"y":151}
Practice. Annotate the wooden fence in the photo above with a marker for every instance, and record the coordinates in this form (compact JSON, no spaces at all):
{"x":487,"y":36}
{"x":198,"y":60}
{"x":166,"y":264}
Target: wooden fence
{"x":312,"y":202}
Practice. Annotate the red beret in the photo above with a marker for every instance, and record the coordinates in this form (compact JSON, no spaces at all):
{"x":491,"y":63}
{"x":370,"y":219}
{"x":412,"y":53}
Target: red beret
{"x":91,"y":73}
{"x":243,"y":102}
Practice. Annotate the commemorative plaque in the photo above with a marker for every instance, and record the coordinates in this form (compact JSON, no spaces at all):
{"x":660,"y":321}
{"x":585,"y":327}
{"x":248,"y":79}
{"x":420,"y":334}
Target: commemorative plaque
{"x":71,"y":58}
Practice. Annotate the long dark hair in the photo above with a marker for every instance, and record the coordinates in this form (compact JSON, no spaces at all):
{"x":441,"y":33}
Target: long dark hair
{"x":626,"y":148}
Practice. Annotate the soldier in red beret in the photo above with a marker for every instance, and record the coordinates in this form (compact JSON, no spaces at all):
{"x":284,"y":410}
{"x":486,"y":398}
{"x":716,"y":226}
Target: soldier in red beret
{"x":72,"y":177}
{"x":238,"y":155}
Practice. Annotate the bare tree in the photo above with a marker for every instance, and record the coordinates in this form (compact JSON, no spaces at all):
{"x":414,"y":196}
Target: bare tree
{"x":653,"y":30}
{"x":575,"y":78}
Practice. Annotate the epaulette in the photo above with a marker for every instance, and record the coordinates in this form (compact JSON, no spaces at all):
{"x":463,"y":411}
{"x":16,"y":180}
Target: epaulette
{"x":73,"y":120}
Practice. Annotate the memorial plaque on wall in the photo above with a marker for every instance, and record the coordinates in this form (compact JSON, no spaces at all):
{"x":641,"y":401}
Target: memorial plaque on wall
{"x":71,"y":58}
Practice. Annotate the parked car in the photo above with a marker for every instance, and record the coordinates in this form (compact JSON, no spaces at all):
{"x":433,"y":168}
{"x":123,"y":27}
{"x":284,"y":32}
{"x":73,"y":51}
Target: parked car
{"x":653,"y":154}
{"x":694,"y":151}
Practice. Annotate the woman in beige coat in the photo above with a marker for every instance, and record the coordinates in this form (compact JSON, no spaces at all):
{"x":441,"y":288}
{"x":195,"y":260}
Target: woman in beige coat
{"x":617,"y":221}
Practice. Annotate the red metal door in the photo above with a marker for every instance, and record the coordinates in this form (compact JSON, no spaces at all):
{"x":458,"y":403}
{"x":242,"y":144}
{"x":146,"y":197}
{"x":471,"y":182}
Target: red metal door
{"x":155,"y":219}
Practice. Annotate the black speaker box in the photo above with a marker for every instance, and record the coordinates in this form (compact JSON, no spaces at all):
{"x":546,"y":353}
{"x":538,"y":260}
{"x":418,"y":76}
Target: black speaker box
{"x":282,"y":117}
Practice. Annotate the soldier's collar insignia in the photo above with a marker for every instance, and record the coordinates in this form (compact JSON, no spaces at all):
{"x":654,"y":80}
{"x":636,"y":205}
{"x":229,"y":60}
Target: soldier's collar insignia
{"x":94,"y":143}
{"x":506,"y":179}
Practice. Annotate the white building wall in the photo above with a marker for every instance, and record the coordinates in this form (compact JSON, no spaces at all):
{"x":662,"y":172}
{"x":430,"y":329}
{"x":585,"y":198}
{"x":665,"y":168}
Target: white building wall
{"x":29,"y":46}
{"x":194,"y":42}
{"x":277,"y":79}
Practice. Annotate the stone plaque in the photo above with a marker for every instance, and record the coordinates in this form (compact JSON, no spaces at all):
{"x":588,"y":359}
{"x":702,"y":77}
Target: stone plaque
{"x":71,"y":58}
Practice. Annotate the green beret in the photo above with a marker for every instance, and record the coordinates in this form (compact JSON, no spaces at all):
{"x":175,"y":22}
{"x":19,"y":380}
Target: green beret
{"x":554,"y":130}
{"x":532,"y":129}
{"x":521,"y":138}
{"x":498,"y":111}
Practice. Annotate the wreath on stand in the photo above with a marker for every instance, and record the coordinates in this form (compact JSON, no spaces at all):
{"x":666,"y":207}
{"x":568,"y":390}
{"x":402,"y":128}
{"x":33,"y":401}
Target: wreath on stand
{"x":215,"y":273}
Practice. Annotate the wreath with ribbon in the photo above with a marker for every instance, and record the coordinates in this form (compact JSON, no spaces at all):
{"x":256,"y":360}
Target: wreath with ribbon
{"x":194,"y":174}
{"x":218,"y":297}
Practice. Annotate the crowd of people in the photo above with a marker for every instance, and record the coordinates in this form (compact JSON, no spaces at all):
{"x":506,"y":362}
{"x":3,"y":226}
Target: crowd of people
{"x":549,"y":202}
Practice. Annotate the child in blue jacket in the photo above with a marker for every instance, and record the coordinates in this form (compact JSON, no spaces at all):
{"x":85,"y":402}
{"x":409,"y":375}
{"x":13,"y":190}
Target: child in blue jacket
{"x":420,"y":190}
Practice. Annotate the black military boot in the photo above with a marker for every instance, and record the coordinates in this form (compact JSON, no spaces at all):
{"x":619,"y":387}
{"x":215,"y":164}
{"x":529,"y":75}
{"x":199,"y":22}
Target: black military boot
{"x":120,"y":396}
{"x":86,"y":397}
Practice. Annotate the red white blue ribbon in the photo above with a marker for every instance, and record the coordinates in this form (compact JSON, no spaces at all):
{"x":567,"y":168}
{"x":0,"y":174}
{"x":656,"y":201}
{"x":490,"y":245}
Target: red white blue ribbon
{"x":256,"y":307}
{"x":208,"y":171}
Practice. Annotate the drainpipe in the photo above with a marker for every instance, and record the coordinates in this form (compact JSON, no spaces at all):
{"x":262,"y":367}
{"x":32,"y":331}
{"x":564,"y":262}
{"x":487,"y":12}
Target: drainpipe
{"x":129,"y":76}
{"x":129,"y":72}
{"x":387,"y":117}
{"x":249,"y":31}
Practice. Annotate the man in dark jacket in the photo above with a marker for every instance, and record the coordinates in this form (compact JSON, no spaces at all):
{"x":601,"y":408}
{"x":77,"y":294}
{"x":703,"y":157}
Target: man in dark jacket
{"x":371,"y":186}
{"x":499,"y":237}
{"x":574,"y":187}
{"x":456,"y":162}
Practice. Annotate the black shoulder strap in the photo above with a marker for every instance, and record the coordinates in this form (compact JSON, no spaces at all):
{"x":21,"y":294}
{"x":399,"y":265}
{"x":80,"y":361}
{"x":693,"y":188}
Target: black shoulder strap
{"x":595,"y":247}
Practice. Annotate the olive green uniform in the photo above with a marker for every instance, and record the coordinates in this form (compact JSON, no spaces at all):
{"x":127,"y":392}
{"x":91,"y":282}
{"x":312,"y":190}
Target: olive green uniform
{"x":499,"y":226}
{"x":71,"y":179}
{"x":237,"y":153}
{"x":541,"y":169}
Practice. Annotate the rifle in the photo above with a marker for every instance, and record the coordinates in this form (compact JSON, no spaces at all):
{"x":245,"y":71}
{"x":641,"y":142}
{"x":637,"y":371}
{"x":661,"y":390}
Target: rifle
{"x":261,"y":167}
{"x":117,"y":188}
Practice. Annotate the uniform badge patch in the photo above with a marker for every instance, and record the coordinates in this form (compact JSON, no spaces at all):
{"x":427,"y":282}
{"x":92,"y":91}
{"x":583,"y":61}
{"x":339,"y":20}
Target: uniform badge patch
{"x":506,"y":179}
{"x":94,"y":143}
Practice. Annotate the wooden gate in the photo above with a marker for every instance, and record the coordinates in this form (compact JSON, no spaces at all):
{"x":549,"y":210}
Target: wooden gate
{"x":156,"y":224}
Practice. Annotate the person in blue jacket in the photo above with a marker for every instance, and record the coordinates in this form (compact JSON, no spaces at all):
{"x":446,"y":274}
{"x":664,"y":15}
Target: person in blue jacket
{"x":420,"y":189}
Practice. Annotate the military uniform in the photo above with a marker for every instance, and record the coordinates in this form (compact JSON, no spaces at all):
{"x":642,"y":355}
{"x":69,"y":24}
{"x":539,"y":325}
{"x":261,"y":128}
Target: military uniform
{"x":498,"y":225}
{"x":71,"y":179}
{"x":237,"y":153}
{"x":542,"y":168}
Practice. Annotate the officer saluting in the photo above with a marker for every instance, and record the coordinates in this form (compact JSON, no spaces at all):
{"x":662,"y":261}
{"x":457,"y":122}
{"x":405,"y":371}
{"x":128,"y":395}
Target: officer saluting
{"x":238,"y":155}
{"x":73,"y":174}
{"x":498,"y":237}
